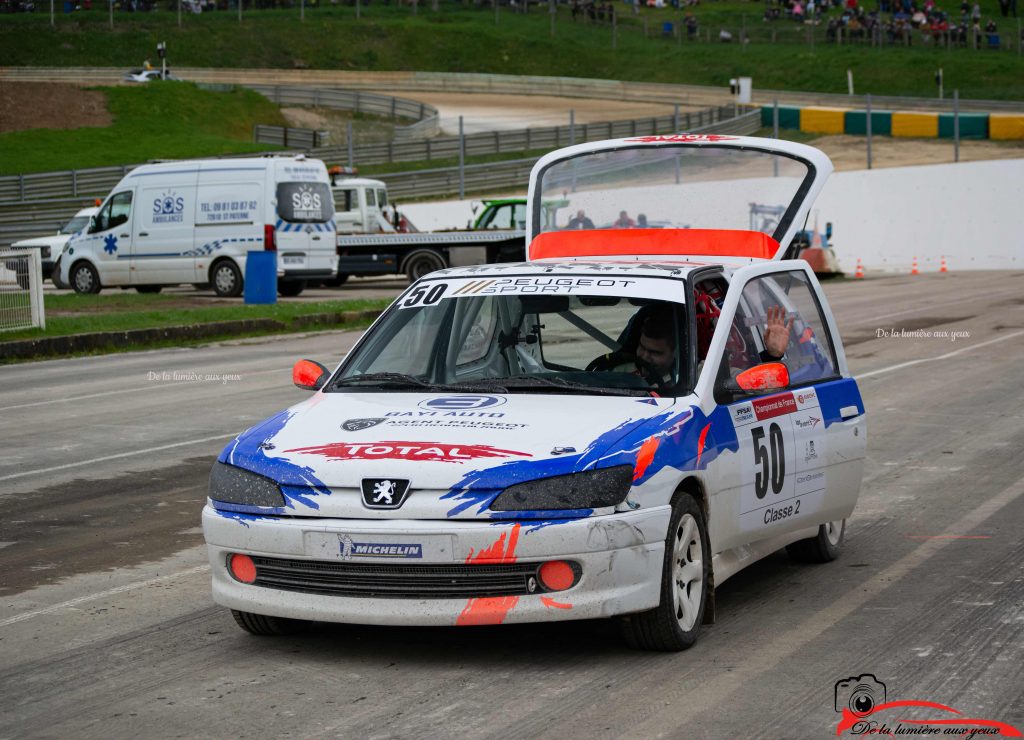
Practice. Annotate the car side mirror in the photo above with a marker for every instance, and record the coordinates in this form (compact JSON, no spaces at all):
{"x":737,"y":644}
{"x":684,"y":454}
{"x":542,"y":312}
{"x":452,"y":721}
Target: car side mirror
{"x":770,"y":376}
{"x":309,"y":375}
{"x":764,"y":378}
{"x":828,"y":230}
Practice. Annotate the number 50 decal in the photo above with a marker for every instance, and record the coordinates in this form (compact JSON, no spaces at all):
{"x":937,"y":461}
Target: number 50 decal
{"x":422,"y":295}
{"x":771,"y":458}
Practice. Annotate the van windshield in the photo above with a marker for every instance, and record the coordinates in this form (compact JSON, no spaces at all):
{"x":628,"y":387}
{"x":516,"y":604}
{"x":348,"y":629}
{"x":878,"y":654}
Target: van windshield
{"x":304,"y":202}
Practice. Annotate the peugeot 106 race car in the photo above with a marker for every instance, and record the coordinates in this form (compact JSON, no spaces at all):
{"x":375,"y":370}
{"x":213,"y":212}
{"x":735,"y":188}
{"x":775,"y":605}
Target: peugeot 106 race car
{"x":611,"y":429}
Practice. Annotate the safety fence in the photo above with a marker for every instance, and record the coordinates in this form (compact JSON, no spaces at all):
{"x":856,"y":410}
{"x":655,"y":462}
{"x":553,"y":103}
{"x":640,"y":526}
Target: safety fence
{"x":21,"y":290}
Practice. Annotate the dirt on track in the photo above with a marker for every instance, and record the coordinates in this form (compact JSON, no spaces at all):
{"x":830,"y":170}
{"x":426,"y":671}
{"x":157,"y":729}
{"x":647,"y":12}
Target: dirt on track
{"x":29,"y":105}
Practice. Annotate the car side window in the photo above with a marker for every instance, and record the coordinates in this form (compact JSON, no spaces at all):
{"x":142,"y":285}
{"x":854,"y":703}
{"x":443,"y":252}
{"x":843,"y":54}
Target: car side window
{"x":779,"y":320}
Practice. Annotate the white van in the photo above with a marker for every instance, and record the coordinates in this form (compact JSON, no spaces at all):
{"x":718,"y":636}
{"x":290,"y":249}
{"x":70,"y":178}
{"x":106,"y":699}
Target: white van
{"x":195,"y":221}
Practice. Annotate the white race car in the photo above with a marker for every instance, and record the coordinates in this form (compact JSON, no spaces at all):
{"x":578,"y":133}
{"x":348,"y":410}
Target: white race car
{"x":611,"y":429}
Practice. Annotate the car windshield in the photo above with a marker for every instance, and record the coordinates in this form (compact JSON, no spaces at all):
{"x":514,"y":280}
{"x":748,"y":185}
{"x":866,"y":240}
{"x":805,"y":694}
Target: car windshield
{"x":680,"y":187}
{"x":616,"y":336}
{"x":75,"y":225}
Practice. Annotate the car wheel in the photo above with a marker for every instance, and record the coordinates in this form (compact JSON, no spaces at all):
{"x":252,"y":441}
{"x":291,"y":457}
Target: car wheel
{"x":291,"y":288}
{"x":226,"y":279}
{"x":149,"y":288}
{"x":823,"y":547}
{"x":421,"y":263}
{"x":55,"y":276}
{"x":261,"y":624}
{"x":675,"y":622}
{"x":84,"y":279}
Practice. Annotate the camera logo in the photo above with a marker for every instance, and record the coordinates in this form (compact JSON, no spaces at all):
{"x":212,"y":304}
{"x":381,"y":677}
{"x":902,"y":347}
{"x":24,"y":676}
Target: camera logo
{"x":860,"y":694}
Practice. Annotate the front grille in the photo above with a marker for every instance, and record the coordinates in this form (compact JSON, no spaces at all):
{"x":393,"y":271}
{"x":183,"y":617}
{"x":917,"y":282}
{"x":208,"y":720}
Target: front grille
{"x":426,"y":581}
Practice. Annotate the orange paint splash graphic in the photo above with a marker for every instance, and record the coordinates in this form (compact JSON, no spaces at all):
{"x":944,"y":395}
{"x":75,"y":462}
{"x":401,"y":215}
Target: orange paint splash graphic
{"x":645,"y":457}
{"x":491,"y":609}
{"x":701,"y":440}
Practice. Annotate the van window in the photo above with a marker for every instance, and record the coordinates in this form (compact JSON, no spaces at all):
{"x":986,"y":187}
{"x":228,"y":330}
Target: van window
{"x":304,"y":202}
{"x":371,"y":197}
{"x":117,"y":211}
{"x":382,"y":198}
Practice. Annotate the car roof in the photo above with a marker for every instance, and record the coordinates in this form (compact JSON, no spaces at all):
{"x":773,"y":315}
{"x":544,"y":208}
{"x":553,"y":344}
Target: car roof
{"x":658,"y":267}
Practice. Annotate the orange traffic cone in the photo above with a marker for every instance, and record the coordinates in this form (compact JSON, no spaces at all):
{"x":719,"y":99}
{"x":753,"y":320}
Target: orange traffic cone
{"x":942,"y":265}
{"x":913,"y":266}
{"x":860,"y":270}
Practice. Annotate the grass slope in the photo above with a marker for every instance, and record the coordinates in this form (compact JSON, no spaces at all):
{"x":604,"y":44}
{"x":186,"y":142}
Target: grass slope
{"x":463,"y":39}
{"x":159,"y":119}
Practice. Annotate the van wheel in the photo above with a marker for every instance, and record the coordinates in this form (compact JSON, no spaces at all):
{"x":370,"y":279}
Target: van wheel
{"x":337,"y":281}
{"x":226,"y":279}
{"x":421,"y":263}
{"x":84,"y":279}
{"x":261,"y":624}
{"x":291,"y":288}
{"x":685,"y":573}
{"x":149,"y":288}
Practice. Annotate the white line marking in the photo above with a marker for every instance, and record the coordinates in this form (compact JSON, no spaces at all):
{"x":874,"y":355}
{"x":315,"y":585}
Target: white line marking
{"x":902,"y":365}
{"x":153,"y":386}
{"x":102,"y":595}
{"x":115,"y":457}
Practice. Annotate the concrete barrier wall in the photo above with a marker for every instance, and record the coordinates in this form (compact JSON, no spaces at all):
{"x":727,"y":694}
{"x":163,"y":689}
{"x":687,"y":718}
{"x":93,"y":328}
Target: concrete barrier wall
{"x":972,"y":213}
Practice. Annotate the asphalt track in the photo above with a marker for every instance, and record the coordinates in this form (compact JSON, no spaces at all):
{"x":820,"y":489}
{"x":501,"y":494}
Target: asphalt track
{"x":107,"y":628}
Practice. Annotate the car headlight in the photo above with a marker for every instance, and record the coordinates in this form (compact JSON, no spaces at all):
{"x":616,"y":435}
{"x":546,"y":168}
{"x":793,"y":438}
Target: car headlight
{"x":590,"y":490}
{"x":236,"y":486}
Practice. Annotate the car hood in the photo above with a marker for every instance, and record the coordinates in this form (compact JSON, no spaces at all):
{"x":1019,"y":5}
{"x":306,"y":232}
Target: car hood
{"x":54,"y":242}
{"x":457,"y":451}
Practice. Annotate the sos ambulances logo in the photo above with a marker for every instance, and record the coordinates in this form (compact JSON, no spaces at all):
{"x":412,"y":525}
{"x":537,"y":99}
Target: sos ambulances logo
{"x":306,"y":203}
{"x":169,"y":208}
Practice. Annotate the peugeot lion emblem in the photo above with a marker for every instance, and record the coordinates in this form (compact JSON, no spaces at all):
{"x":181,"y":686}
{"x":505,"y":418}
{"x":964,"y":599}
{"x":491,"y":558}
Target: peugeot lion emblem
{"x":384,"y":493}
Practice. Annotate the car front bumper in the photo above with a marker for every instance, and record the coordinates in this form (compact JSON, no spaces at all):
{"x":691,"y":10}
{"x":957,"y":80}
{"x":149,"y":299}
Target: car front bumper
{"x":619,"y":557}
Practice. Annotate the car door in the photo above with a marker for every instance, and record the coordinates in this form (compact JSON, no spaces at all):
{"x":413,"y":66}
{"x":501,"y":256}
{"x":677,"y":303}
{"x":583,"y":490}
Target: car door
{"x":798,"y":450}
{"x":112,"y":230}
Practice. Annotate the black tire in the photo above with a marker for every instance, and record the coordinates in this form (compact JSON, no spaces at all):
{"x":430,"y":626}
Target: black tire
{"x":149,"y":288}
{"x":55,"y":276}
{"x":337,"y":281}
{"x":422,"y":262}
{"x":263,"y":625}
{"x":674,"y":625}
{"x":290,"y":288}
{"x":84,"y":278}
{"x":824,"y":547}
{"x":226,"y":279}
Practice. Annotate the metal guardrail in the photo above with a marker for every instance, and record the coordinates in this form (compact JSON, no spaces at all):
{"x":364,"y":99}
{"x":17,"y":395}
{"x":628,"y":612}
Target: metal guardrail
{"x":290,"y":137}
{"x":99,"y":181}
{"x":425,"y":115}
{"x":33,"y":218}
